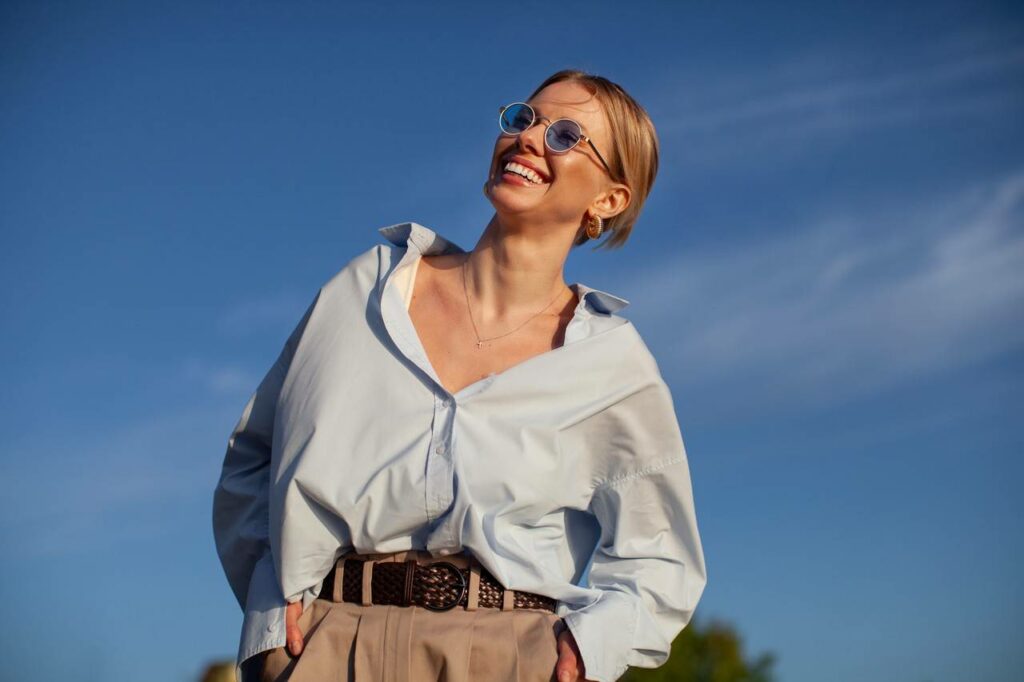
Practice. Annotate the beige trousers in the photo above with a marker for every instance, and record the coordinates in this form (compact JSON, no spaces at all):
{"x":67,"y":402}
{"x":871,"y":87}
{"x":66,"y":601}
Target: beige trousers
{"x":349,"y":642}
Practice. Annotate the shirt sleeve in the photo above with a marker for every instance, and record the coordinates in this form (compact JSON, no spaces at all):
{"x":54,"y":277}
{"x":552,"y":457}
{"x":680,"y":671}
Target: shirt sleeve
{"x":648,"y":566}
{"x":241,"y":513}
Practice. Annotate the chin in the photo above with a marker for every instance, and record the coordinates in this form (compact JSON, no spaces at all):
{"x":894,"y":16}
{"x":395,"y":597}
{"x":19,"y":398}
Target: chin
{"x":504,"y":203}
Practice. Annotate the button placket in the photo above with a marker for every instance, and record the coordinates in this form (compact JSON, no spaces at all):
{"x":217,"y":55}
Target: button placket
{"x":440,"y":474}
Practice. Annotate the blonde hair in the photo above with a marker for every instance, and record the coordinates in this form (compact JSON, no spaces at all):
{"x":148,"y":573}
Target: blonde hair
{"x":634,"y":155}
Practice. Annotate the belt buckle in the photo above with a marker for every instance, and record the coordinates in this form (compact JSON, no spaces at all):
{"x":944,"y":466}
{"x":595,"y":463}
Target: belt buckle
{"x":463,"y":586}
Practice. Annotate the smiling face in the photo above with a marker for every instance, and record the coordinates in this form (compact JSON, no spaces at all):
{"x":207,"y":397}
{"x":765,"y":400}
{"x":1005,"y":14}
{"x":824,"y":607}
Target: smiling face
{"x":572,"y":183}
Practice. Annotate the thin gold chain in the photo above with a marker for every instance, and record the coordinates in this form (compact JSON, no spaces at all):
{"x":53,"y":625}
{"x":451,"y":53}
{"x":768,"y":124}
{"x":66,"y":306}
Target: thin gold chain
{"x":479,"y":341}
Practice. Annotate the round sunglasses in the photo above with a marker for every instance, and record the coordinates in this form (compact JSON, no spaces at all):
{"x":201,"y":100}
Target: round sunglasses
{"x":561,"y":135}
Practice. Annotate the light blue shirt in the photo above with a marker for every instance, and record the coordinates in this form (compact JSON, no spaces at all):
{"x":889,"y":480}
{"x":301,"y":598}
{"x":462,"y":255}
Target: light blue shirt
{"x":564,"y":474}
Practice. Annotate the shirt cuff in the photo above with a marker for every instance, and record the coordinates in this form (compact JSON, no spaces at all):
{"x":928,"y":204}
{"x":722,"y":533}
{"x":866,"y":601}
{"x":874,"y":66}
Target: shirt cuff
{"x":263,"y":626}
{"x":604,"y":631}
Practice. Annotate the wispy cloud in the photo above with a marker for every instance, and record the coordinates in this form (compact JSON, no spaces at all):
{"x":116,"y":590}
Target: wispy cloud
{"x":68,"y":490}
{"x":217,"y":379}
{"x":851,"y":304}
{"x":277,"y":310}
{"x":827,"y":98}
{"x":787,"y":102}
{"x":71,"y":492}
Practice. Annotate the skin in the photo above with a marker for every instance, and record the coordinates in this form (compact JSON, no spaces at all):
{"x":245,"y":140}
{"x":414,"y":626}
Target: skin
{"x":519,"y":302}
{"x":517,"y":266}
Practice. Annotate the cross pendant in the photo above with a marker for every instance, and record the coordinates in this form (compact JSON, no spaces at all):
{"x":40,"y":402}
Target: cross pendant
{"x":479,"y":343}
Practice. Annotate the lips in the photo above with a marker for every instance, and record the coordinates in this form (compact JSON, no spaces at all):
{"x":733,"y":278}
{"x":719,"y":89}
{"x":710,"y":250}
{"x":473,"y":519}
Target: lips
{"x":520,"y":160}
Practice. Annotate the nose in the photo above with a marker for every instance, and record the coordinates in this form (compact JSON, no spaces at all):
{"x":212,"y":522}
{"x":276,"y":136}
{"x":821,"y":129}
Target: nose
{"x":533,"y":138}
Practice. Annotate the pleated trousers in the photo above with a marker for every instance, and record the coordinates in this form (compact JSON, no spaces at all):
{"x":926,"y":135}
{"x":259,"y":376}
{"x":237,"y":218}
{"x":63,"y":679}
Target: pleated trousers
{"x":349,"y":642}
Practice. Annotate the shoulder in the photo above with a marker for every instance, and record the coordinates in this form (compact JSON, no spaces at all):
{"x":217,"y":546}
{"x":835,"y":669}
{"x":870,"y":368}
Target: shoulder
{"x":640,"y":412}
{"x":361,"y":269}
{"x":641,"y":381}
{"x":635,"y":364}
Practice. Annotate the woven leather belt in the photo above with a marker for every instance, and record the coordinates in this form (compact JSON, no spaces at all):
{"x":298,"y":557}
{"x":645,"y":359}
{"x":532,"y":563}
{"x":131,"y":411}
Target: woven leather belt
{"x":438,"y":586}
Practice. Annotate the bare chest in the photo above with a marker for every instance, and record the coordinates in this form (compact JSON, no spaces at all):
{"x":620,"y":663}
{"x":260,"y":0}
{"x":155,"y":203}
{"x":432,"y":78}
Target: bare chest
{"x":442,"y":321}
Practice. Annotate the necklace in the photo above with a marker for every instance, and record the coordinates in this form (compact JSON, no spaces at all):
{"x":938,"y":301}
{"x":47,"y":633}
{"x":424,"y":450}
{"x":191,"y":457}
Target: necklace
{"x":479,"y":341}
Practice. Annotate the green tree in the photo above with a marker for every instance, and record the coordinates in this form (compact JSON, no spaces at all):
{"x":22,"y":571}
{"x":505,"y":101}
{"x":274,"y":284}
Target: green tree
{"x":707,"y":653}
{"x":222,"y":671}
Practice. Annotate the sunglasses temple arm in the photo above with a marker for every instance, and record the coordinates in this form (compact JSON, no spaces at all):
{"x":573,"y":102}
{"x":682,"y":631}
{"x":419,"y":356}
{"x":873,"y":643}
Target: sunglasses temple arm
{"x":592,"y":146}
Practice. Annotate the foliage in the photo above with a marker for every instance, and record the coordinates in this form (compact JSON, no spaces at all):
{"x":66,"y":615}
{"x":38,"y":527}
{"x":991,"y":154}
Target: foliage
{"x":219,"y":672}
{"x":711,"y":653}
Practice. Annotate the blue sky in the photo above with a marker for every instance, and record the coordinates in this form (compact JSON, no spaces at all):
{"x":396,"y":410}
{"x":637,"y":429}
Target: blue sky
{"x":830,"y":271}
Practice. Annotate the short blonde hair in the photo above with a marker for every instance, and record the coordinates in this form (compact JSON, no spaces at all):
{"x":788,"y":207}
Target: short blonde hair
{"x":634,"y":155}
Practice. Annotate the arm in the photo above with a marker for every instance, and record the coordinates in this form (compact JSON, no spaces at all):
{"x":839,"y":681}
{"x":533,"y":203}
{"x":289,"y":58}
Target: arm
{"x":241,"y":525}
{"x":648,"y":565}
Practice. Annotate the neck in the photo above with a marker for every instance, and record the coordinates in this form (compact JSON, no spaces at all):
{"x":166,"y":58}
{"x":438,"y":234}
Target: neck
{"x":514,"y":271}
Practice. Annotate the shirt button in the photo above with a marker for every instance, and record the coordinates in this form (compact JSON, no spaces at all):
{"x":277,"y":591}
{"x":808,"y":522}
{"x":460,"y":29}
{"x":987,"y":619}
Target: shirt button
{"x":440,"y":449}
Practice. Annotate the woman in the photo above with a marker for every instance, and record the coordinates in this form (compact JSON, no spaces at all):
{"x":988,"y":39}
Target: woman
{"x":461,"y":468}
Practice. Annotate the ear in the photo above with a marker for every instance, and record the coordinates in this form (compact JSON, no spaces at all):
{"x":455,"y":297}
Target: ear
{"x":612,"y":201}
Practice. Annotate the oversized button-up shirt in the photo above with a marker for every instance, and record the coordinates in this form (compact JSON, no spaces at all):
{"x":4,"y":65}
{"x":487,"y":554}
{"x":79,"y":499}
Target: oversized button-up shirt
{"x":564,"y":474}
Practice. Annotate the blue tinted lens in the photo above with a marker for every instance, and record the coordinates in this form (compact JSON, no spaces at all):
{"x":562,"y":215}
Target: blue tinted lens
{"x":563,"y":135}
{"x":516,"y":119}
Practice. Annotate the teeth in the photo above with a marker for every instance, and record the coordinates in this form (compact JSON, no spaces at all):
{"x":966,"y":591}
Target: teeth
{"x":524,"y":171}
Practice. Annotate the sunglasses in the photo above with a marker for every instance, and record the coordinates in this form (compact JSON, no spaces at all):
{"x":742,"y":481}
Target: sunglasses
{"x":561,"y":135}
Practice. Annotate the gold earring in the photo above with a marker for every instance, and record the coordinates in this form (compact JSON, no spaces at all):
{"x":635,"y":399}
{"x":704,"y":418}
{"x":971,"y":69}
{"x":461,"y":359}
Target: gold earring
{"x":595,"y":226}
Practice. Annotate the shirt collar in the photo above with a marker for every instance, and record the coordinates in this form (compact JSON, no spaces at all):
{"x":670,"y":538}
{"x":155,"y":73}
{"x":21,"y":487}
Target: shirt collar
{"x":429,"y":242}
